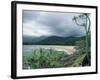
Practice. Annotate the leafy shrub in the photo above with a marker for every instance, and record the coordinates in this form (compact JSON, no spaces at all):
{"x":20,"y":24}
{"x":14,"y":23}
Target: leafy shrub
{"x":81,"y":50}
{"x":44,"y":58}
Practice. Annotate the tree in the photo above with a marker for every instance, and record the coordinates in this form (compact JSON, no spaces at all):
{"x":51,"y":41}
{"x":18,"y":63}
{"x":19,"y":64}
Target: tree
{"x":84,"y":21}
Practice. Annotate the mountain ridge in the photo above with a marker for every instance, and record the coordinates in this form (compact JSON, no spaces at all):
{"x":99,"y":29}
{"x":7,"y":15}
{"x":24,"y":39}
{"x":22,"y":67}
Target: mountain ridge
{"x":53,"y":40}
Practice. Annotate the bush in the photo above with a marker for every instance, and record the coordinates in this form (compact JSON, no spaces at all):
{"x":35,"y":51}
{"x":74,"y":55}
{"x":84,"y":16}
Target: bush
{"x":81,"y":49}
{"x":44,"y":58}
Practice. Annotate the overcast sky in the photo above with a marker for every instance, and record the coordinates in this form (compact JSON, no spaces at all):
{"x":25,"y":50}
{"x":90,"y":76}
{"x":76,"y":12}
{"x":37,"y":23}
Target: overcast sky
{"x":40,"y":23}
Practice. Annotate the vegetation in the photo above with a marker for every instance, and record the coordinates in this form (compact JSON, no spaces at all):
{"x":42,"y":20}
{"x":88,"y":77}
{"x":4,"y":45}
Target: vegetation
{"x":83,"y":46}
{"x":43,"y":58}
{"x":52,"y":40}
{"x":51,"y":58}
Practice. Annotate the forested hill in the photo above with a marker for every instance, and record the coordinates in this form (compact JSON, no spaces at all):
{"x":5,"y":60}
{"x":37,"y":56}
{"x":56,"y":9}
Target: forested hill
{"x":52,"y":40}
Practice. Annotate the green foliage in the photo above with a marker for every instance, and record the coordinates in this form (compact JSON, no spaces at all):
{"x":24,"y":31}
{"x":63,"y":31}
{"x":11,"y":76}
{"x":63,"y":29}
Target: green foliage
{"x":83,"y":46}
{"x":50,"y":58}
{"x":80,"y":57}
{"x":79,"y":60}
{"x":53,"y":40}
{"x":80,"y":46}
{"x":81,"y":49}
{"x":44,"y":58}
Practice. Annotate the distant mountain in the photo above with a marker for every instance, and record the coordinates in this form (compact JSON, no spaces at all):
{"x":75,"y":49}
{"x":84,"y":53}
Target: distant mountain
{"x":30,"y":39}
{"x":52,"y":40}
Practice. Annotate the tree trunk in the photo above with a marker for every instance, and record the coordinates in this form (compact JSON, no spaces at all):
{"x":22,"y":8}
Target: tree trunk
{"x":87,"y":46}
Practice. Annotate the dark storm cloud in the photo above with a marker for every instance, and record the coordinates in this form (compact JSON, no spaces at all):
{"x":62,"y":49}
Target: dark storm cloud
{"x":59,"y":24}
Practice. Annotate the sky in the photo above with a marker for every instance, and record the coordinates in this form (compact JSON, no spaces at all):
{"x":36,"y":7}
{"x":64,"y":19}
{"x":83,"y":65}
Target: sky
{"x":42,"y":23}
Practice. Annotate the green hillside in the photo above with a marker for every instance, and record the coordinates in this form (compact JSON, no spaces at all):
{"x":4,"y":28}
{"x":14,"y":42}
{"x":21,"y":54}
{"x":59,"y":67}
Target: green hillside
{"x":55,"y":40}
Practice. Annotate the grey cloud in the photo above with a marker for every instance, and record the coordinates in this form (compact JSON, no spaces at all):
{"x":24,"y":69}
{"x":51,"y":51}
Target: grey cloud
{"x":29,"y":15}
{"x":58,"y":23}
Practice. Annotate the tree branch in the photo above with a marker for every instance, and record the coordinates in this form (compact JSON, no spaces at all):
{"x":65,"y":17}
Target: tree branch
{"x":78,"y":23}
{"x":89,"y":24}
